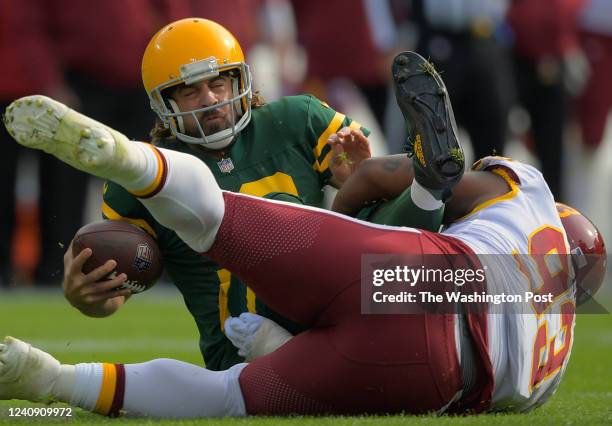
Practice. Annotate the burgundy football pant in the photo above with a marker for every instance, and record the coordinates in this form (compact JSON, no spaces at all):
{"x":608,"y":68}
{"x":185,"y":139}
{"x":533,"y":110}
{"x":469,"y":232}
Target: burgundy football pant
{"x":306,"y":265}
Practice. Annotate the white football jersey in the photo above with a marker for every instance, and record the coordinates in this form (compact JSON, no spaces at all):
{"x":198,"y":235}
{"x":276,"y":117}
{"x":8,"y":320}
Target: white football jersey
{"x":529,"y":342}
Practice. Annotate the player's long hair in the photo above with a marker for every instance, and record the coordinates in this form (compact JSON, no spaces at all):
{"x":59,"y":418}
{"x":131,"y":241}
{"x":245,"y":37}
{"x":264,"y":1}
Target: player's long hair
{"x":159,"y":132}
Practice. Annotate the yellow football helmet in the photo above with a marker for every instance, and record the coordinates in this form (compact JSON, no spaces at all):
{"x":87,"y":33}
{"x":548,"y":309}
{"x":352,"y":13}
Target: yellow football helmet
{"x":188,"y":51}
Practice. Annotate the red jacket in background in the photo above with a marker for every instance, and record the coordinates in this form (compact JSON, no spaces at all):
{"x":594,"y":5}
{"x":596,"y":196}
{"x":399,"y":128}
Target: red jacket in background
{"x":105,"y":40}
{"x":338,"y":41}
{"x":545,"y":27}
{"x":29,"y":58}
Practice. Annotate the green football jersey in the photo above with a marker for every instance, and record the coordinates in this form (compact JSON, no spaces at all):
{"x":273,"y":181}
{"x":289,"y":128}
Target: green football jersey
{"x":283,"y":149}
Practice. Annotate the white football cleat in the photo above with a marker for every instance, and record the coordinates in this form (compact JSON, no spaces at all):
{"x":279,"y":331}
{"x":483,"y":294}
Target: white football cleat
{"x":25,"y":372}
{"x":42,"y":123}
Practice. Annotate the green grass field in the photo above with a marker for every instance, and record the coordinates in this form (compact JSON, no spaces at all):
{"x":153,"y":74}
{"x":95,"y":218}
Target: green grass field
{"x":157,"y":325}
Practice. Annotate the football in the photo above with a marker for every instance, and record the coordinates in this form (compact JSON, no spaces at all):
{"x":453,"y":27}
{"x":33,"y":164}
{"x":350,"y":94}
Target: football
{"x":136,"y":252}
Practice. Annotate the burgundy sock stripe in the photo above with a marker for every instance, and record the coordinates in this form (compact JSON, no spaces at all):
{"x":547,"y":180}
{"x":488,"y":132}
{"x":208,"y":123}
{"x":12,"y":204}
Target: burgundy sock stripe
{"x":117,"y":404}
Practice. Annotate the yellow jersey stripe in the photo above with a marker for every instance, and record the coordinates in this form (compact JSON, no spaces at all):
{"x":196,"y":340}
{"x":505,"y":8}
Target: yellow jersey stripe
{"x":326,"y":160}
{"x":355,"y":125}
{"x":224,"y":284}
{"x":278,"y":182}
{"x":324,"y":164}
{"x":111,"y":214}
{"x":107,"y":390}
{"x":333,"y":127}
{"x":251,"y":306}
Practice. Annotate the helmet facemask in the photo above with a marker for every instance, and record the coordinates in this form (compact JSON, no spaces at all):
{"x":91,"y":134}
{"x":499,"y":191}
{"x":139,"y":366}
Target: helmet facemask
{"x":240,"y":101}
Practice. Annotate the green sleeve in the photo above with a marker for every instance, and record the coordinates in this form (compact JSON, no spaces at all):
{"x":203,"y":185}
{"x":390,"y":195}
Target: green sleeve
{"x":323,"y":121}
{"x":219,"y":352}
{"x":118,"y":204}
{"x":308,"y":123}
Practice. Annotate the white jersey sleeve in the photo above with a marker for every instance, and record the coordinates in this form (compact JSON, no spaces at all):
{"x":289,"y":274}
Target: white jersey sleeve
{"x":521,"y":242}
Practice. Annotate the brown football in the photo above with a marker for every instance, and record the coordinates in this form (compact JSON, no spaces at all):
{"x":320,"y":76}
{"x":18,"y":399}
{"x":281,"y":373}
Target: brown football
{"x":136,"y":252}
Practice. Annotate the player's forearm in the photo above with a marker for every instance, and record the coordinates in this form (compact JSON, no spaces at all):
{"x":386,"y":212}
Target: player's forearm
{"x":375,"y":179}
{"x":472,"y":190}
{"x":335,"y":182}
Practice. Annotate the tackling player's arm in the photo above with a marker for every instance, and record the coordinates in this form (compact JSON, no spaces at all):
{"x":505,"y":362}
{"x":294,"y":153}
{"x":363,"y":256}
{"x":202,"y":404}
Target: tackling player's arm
{"x":375,"y":179}
{"x":384,"y":178}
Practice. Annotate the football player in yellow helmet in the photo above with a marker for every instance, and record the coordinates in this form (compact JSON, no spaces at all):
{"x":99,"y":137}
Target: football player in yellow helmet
{"x":199,"y":86}
{"x":198,"y":82}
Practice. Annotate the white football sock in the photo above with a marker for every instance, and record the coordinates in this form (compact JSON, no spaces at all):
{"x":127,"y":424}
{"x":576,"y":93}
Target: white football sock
{"x":163,"y":388}
{"x":190,"y":201}
{"x":65,"y":384}
{"x":167,"y":388}
{"x":87,"y":382}
{"x":144,"y":164}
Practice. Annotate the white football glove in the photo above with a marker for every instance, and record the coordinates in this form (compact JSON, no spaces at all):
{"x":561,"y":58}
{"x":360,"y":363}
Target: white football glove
{"x":254,"y":335}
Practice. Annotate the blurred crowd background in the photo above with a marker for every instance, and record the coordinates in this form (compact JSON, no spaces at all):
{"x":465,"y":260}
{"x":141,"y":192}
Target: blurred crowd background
{"x":530,"y":79}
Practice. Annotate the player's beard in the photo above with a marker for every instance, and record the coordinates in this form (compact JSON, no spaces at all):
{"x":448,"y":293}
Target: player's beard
{"x":222,"y":122}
